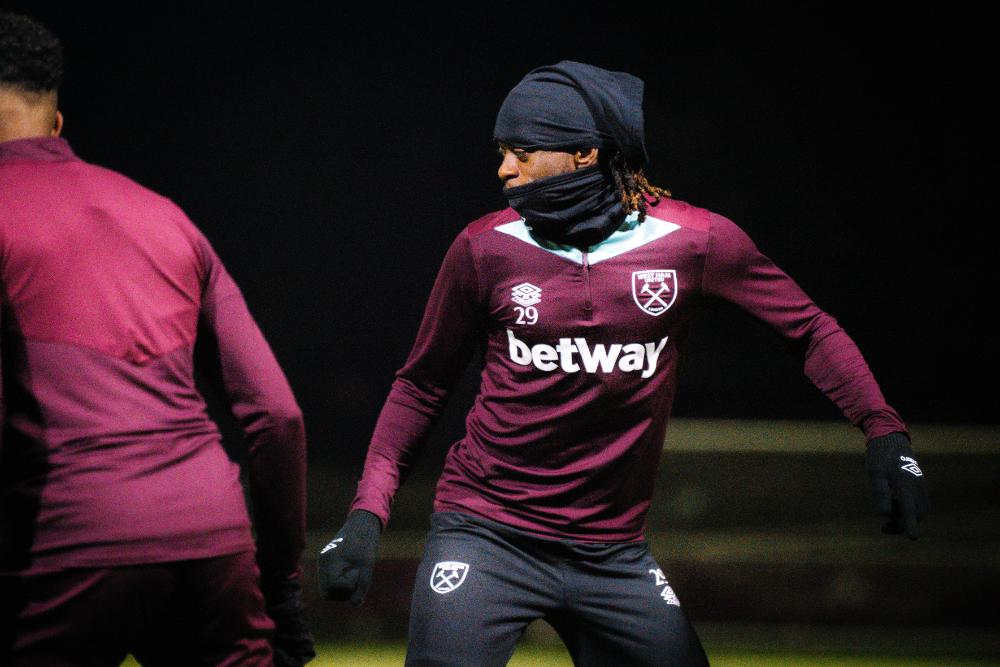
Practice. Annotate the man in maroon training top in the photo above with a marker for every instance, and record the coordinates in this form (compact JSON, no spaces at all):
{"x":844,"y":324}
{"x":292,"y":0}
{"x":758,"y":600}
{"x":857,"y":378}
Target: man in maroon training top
{"x":579,"y":294}
{"x":123,"y":527}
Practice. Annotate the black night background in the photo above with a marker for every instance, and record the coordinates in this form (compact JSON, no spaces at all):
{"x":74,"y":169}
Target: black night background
{"x":331,"y":160}
{"x":331,"y":157}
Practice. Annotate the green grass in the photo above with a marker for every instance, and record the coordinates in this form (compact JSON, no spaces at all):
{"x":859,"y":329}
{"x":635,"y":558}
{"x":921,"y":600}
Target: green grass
{"x":534,"y":656}
{"x":554,"y":656}
{"x":734,"y":645}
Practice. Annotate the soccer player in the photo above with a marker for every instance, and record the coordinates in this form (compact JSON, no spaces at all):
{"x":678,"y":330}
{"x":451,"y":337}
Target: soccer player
{"x":578,"y":294}
{"x":123,"y":526}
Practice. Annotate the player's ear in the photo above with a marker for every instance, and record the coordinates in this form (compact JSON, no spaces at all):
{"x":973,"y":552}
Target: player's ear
{"x":57,"y":126}
{"x":585,"y":158}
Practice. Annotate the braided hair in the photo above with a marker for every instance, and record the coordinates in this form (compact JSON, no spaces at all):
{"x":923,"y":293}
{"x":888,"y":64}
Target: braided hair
{"x":636,"y":192}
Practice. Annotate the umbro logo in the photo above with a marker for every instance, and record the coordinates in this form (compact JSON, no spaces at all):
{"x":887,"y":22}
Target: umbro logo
{"x":667,"y":593}
{"x":526,"y":294}
{"x":332,"y":545}
{"x":911,"y":466}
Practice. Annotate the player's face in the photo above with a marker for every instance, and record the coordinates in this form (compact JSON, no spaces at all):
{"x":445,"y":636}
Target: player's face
{"x":520,"y":167}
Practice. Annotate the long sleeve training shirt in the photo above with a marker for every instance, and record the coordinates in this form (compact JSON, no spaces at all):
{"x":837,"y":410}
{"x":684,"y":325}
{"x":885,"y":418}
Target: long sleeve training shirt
{"x":580,"y":367}
{"x":108,"y":454}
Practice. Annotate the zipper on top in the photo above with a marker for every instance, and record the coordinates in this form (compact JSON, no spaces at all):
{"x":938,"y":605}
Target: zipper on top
{"x":588,"y":304}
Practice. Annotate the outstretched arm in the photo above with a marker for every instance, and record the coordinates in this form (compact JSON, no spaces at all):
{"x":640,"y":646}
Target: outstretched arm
{"x":237,"y":356}
{"x":450,"y":330}
{"x":738,"y":272}
{"x":234,"y":353}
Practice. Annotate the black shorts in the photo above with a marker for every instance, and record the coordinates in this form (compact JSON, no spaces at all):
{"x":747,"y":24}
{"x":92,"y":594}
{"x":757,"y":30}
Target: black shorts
{"x":197,"y":612}
{"x":480,"y":583}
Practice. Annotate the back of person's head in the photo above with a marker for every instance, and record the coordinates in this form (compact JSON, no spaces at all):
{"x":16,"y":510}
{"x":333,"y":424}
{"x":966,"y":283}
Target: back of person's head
{"x":31,"y":69}
{"x":30,"y":56}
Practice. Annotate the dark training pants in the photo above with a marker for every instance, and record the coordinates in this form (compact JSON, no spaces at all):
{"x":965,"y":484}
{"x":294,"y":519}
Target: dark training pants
{"x":197,"y":612}
{"x":480,"y":583}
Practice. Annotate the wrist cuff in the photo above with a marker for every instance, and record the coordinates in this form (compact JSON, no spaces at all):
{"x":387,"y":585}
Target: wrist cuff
{"x":897,"y":439}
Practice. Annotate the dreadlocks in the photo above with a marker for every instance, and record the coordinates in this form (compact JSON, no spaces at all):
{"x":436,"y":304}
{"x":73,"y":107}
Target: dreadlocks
{"x":633,"y":186}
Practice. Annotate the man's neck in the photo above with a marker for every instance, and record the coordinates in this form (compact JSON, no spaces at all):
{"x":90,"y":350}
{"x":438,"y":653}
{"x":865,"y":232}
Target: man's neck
{"x":26,"y":115}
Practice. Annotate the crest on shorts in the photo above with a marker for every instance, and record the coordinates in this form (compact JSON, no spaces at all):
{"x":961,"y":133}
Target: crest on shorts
{"x":654,"y":291}
{"x":448,"y":575}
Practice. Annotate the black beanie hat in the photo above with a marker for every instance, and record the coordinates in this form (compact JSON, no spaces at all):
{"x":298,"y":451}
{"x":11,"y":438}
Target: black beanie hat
{"x":573,"y":106}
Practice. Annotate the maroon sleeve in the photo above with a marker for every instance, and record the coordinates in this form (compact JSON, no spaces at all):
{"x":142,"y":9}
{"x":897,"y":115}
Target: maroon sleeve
{"x":736,"y":271}
{"x":262,"y":403}
{"x":3,"y":405}
{"x":445,"y":341}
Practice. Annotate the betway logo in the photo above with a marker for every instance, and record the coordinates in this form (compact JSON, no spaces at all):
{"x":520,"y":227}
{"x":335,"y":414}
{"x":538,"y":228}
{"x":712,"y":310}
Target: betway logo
{"x":630,"y":357}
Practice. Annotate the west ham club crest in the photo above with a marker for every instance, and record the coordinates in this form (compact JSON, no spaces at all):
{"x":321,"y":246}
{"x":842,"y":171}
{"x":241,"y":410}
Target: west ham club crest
{"x":654,"y":291}
{"x":448,"y":575}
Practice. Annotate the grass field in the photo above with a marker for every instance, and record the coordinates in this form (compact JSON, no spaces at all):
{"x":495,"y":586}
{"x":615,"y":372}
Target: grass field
{"x":535,"y":656}
{"x":530,"y":656}
{"x":731,"y":645}
{"x":845,"y":595}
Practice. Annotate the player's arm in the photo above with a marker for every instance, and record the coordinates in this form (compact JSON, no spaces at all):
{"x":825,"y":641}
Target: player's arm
{"x":3,"y":291}
{"x":3,"y":405}
{"x":738,"y":272}
{"x":233,"y":352}
{"x":449,"y":332}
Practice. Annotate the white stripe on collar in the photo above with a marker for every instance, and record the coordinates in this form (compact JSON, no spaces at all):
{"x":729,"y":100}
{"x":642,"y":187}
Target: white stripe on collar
{"x":629,"y":236}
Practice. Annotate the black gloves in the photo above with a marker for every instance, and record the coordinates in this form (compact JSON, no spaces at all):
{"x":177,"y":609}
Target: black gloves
{"x":292,"y":642}
{"x":898,"y":482}
{"x":345,"y":564}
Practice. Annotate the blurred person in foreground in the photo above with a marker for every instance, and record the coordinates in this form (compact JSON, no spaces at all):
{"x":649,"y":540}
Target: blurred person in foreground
{"x":123,"y":525}
{"x":580,"y":295}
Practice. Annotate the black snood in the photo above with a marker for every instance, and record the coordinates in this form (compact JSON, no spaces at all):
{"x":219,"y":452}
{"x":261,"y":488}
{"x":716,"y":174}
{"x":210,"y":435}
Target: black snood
{"x":580,"y":208}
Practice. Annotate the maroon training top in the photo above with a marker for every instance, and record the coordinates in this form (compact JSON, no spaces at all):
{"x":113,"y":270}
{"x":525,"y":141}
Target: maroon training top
{"x":565,"y":435}
{"x":108,"y":455}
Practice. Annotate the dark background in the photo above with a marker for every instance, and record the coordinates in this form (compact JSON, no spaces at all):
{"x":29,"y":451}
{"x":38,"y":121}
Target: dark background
{"x":332,"y":160}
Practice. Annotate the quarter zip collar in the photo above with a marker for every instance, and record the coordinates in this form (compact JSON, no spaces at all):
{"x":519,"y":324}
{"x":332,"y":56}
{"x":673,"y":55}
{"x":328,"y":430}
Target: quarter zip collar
{"x":36,"y":149}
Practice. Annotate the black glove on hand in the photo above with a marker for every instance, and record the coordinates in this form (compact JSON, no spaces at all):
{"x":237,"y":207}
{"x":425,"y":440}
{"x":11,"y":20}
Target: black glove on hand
{"x":292,"y":642}
{"x":899,"y":485}
{"x":345,"y":564}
